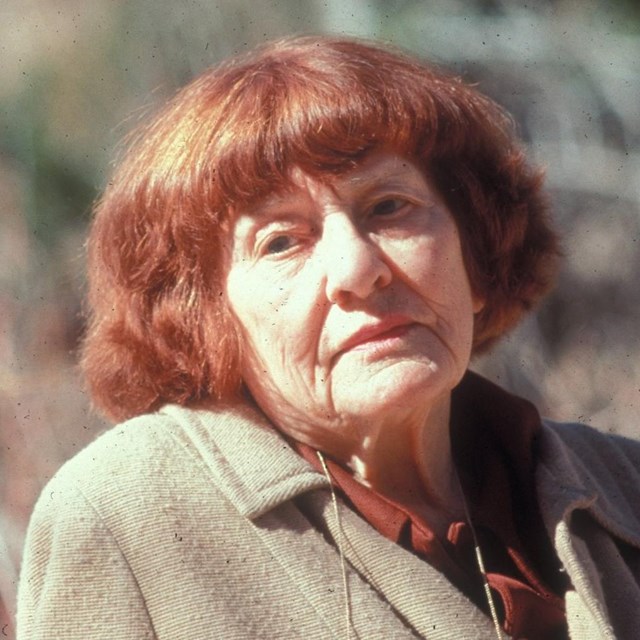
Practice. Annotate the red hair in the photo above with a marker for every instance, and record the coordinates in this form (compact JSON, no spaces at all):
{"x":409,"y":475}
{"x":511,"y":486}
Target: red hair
{"x":160,"y":330}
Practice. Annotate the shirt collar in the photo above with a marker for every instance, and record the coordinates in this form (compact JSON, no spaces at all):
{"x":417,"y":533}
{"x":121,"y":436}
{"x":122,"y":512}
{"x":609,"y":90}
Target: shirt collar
{"x":494,"y":443}
{"x":493,"y":437}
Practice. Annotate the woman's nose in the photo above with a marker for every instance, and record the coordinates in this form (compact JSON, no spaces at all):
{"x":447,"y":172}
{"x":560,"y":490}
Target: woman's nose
{"x":355,"y":266}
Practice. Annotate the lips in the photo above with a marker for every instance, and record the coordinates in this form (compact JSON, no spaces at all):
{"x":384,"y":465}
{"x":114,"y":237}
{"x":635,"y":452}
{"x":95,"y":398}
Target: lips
{"x":376,"y":332}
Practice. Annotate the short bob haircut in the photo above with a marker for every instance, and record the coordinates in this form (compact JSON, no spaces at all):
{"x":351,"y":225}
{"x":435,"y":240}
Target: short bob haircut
{"x":160,"y":329}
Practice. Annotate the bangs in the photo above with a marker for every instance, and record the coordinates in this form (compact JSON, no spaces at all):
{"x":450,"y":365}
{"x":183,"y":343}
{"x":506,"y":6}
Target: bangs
{"x":320,"y":113}
{"x":236,"y":132}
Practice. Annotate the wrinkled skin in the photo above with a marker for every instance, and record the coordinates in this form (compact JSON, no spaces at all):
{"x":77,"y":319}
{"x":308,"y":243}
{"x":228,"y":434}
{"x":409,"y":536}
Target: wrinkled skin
{"x":357,"y":316}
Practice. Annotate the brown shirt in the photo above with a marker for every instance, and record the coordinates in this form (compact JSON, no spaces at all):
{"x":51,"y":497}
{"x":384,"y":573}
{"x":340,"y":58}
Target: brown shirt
{"x":494,"y":443}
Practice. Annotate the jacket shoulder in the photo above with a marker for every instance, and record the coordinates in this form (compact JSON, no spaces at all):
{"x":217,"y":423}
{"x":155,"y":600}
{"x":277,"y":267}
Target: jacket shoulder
{"x":145,"y":455}
{"x":135,"y":528}
{"x":593,"y":446}
{"x":593,"y":469}
{"x":71,"y":547}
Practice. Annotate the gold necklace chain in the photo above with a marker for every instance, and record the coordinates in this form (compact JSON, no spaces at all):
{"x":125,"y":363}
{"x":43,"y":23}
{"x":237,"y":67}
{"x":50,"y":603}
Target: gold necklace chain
{"x":339,"y":542}
{"x":478,"y":552}
{"x":480,"y":562}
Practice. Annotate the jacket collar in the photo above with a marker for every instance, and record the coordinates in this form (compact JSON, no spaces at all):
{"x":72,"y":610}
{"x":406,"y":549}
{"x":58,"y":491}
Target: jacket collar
{"x":578,"y":467}
{"x":252,"y":464}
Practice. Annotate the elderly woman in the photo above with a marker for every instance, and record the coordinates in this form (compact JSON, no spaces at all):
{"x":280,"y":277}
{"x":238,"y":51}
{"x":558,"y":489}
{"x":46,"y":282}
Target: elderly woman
{"x":289,"y":274}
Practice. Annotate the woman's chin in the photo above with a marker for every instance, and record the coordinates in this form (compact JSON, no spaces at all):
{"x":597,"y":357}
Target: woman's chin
{"x":405,"y":386}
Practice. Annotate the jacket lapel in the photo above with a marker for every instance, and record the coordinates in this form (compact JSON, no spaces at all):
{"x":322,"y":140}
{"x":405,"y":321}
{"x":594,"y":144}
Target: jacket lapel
{"x":418,"y":593}
{"x":315,"y":568}
{"x":389,"y":590}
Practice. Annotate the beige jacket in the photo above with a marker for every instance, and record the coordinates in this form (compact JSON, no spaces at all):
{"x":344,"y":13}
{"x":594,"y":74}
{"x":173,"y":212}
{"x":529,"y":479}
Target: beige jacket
{"x":189,"y":525}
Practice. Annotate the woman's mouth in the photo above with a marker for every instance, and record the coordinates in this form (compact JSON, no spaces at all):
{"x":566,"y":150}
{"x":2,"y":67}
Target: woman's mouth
{"x":380,"y":338}
{"x":378,"y":335}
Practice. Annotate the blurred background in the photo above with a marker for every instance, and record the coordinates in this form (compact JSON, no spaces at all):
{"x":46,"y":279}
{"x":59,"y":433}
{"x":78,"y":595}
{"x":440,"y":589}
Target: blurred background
{"x":75,"y":77}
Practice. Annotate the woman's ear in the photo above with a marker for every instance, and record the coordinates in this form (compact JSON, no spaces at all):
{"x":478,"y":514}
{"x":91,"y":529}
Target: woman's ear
{"x":478,"y":304}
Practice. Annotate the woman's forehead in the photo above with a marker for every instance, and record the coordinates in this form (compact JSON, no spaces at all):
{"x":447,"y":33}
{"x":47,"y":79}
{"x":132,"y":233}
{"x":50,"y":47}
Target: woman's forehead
{"x":376,"y":169}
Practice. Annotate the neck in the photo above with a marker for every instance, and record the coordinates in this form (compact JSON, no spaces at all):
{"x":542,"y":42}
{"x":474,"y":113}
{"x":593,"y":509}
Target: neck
{"x":410,"y":462}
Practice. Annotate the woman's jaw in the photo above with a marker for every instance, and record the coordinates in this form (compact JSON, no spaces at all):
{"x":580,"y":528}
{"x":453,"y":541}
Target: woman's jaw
{"x":398,"y":444}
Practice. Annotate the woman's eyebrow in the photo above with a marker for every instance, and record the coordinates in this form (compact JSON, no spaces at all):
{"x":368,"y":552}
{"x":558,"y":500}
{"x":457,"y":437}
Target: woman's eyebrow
{"x":393,"y":180}
{"x":387,"y":173}
{"x":275,"y":204}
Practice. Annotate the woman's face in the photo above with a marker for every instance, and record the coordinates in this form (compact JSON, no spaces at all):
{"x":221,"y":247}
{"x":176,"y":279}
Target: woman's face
{"x":353,"y":299}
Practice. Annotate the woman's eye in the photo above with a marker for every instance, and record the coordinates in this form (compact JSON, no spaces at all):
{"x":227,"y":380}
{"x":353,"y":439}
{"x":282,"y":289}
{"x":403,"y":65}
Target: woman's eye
{"x":387,"y":207}
{"x":279,"y":244}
